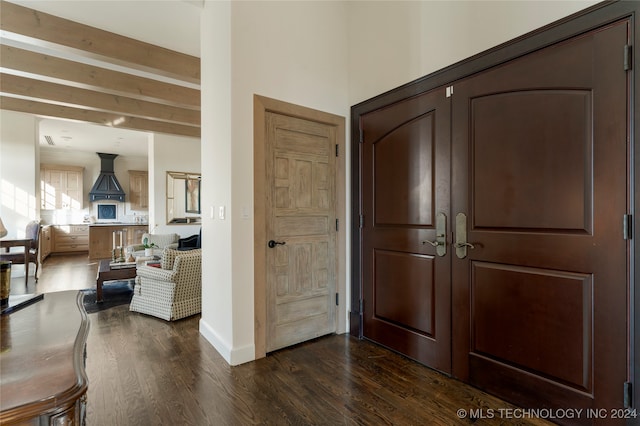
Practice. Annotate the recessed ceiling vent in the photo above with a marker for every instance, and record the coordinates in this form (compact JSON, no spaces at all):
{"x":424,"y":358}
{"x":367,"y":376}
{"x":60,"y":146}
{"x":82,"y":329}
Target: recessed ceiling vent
{"x":107,"y":186}
{"x":49,"y":140}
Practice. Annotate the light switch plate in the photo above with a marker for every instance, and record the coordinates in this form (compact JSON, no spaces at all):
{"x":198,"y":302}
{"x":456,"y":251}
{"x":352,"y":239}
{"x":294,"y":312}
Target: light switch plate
{"x":221,"y":212}
{"x":245,"y":213}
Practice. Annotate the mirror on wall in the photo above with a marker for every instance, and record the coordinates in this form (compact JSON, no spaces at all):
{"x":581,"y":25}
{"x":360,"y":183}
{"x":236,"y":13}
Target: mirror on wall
{"x":183,"y":198}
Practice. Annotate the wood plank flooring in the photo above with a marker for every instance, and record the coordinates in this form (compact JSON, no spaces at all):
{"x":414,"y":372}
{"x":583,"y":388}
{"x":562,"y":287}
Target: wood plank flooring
{"x":145,"y":371}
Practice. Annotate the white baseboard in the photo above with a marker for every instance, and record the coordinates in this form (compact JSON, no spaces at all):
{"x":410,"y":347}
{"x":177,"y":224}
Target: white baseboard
{"x":233,"y":356}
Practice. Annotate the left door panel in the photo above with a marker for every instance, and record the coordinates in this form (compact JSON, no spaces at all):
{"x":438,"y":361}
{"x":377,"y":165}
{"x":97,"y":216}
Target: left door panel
{"x":405,"y":206}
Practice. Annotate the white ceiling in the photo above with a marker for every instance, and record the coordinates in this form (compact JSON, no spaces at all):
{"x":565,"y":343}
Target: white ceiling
{"x":92,"y":138}
{"x":121,"y":17}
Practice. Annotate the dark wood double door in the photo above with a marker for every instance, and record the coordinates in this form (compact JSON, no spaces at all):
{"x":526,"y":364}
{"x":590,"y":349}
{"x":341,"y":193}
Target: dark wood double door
{"x":492,"y":239}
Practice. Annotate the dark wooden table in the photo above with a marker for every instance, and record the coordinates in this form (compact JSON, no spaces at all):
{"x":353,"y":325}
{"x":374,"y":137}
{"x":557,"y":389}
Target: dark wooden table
{"x":106,"y":273}
{"x":22,"y":242}
{"x":43,"y":379}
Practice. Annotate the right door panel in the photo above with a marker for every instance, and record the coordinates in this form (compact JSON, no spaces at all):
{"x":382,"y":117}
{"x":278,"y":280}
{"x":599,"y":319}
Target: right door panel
{"x":539,"y":157}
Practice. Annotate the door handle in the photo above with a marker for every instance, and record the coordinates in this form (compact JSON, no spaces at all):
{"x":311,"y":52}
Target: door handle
{"x":441,"y":235}
{"x":272,"y":243}
{"x":461,"y":243}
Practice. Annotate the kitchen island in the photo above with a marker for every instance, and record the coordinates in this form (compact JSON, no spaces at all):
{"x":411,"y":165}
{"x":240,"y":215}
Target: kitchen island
{"x":101,"y":237}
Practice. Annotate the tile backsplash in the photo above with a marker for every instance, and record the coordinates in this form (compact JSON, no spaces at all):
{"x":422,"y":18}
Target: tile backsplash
{"x":87,"y":215}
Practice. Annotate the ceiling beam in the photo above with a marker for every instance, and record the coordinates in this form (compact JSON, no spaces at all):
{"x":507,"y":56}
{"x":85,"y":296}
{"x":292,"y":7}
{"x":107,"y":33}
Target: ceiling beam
{"x":17,"y":86}
{"x":96,"y":117}
{"x":54,"y":67}
{"x":79,"y":74}
{"x":42,"y":26}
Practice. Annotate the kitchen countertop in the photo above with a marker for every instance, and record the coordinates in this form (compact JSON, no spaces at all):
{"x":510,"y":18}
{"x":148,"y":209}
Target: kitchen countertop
{"x":117,"y":224}
{"x":97,"y":224}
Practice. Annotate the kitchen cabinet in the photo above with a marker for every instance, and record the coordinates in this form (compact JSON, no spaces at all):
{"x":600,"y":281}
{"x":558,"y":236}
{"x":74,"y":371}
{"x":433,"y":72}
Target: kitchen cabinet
{"x":134,"y":234}
{"x":61,"y":187}
{"x":101,"y":238}
{"x":139,"y":189}
{"x":70,"y":238}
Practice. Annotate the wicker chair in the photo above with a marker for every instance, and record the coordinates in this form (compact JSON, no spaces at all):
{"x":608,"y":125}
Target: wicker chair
{"x":172,"y":291}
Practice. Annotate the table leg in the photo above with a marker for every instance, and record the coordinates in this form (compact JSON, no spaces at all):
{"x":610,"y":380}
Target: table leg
{"x":99,"y":282}
{"x":26,"y":263}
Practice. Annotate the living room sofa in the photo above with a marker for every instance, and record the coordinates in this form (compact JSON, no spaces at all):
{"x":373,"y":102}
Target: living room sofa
{"x":160,"y":242}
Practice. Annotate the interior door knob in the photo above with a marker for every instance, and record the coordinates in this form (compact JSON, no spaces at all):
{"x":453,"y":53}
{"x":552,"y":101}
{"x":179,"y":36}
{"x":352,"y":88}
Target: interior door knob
{"x":272,"y":243}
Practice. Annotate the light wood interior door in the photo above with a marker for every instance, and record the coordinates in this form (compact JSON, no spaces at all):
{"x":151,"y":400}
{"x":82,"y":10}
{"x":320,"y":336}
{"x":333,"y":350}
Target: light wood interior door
{"x":301,"y":223}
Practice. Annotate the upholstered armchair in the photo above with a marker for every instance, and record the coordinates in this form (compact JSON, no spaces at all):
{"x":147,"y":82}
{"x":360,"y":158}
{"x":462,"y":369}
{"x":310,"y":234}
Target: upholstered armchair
{"x":158,"y":241}
{"x":172,"y":291}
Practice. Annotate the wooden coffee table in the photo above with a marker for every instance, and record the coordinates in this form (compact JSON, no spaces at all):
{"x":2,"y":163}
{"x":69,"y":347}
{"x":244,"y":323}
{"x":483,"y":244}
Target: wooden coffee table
{"x":106,"y":273}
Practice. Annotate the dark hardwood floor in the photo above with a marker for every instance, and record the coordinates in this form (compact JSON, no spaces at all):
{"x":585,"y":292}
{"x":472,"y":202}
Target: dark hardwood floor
{"x":145,"y":371}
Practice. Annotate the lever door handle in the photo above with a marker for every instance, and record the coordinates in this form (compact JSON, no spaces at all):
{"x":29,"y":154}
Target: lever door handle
{"x":272,"y":243}
{"x":461,"y":243}
{"x":441,"y":235}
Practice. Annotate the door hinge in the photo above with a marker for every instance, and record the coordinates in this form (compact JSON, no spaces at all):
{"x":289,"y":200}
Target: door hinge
{"x":337,"y":299}
{"x":627,"y":227}
{"x":361,"y":221}
{"x":337,"y":224}
{"x":337,"y":150}
{"x":449,"y":91}
{"x":628,"y":57}
{"x":628,"y":394}
{"x":361,"y":305}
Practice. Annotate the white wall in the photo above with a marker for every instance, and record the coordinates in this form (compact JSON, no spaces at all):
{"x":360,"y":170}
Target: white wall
{"x":394,"y":42}
{"x":175,"y":154}
{"x":291,"y":51}
{"x":19,"y":171}
{"x":216,"y":323}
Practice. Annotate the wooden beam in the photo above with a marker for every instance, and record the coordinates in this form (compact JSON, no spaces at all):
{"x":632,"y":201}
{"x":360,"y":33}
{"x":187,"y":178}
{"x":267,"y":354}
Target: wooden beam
{"x":98,"y":117}
{"x":47,"y":92}
{"x":42,"y":26}
{"x":51,"y":86}
{"x":79,"y":74}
